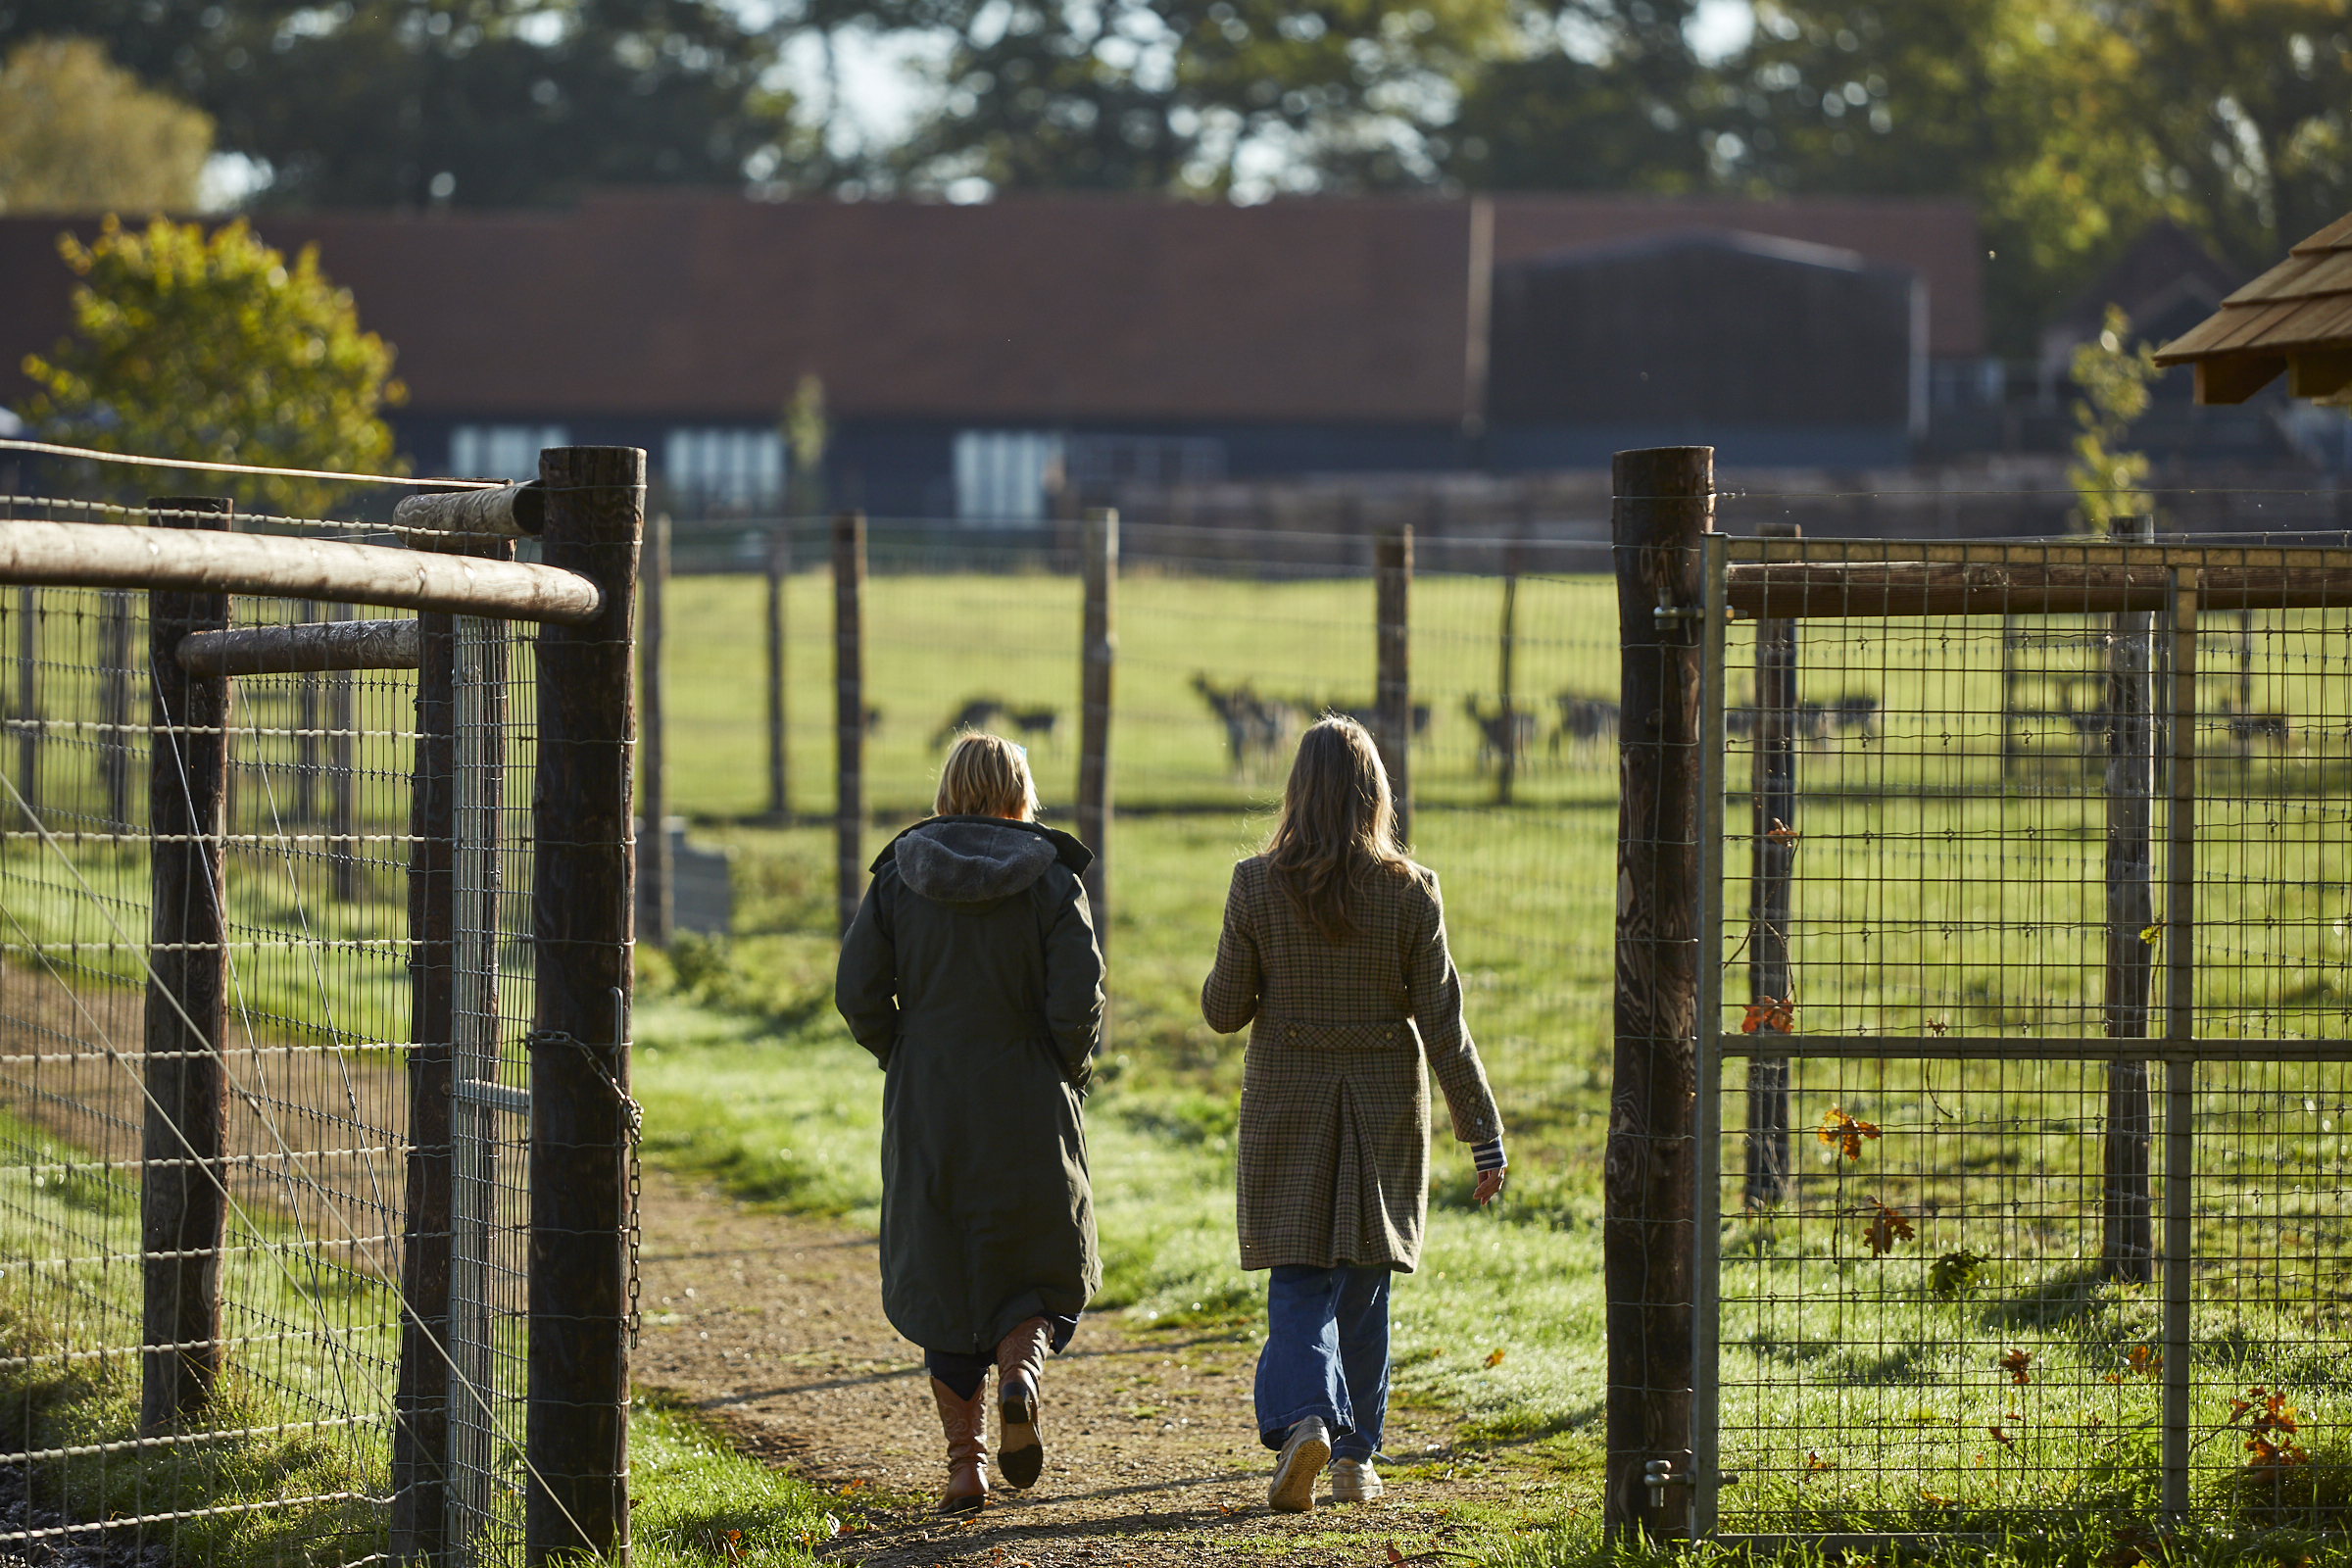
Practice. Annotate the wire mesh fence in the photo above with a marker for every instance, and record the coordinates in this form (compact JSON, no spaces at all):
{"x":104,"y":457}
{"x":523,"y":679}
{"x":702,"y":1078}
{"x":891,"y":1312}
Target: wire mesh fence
{"x":271,"y":971}
{"x":2026,"y":1197}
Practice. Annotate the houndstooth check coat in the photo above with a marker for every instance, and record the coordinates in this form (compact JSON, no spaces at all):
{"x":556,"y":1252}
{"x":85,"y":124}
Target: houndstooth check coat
{"x":1334,"y":1160}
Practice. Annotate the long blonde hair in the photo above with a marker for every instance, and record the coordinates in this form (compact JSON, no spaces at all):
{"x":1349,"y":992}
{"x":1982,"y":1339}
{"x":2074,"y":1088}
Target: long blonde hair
{"x":986,"y":776}
{"x":1337,"y":829}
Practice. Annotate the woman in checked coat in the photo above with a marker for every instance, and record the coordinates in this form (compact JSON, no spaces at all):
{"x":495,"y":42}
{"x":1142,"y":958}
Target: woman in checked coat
{"x":1333,"y":952}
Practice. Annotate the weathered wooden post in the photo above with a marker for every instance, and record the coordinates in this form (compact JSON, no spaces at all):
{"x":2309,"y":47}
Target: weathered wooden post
{"x":582,"y":1121}
{"x":1506,"y":763}
{"x":1772,"y":865}
{"x":779,"y":582}
{"x":1392,"y":682}
{"x":657,"y":884}
{"x":849,"y":711}
{"x":420,"y":1403}
{"x":1099,"y":647}
{"x":182,"y":1202}
{"x":2128,"y":1247}
{"x":1664,"y":500}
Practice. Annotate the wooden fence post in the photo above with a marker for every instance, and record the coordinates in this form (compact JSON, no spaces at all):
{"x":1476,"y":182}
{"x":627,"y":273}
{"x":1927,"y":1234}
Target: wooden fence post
{"x":849,"y":709}
{"x":779,"y":582}
{"x":420,"y":1430}
{"x":1506,"y":761}
{"x":2127,"y":1246}
{"x":1663,"y":502}
{"x":306,"y":731}
{"x":1393,"y":683}
{"x":182,"y":1202}
{"x":1772,"y":865}
{"x":1098,"y":650}
{"x":582,"y":1125}
{"x":658,"y":886}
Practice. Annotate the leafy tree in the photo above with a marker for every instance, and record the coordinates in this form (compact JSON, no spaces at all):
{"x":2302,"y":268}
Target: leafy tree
{"x":1605,"y":95}
{"x":1197,"y":96}
{"x":78,"y":133}
{"x":215,"y":349}
{"x":476,"y":102}
{"x":2114,"y":372}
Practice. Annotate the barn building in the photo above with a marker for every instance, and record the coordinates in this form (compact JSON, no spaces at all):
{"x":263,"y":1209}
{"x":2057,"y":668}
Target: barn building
{"x":974,"y":357}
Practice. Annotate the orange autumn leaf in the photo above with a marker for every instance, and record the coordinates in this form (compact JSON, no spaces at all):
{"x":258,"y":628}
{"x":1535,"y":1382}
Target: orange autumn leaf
{"x":1777,"y":1014}
{"x":1495,"y":1356}
{"x":1845,"y":1132}
{"x":2015,"y":1363}
{"x":1887,"y":1228}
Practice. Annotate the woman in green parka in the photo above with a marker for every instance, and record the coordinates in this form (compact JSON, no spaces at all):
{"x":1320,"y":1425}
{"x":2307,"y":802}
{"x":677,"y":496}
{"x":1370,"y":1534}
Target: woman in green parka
{"x":972,"y":974}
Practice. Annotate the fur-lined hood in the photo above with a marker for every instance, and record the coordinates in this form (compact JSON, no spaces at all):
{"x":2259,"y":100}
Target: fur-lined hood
{"x":976,"y":859}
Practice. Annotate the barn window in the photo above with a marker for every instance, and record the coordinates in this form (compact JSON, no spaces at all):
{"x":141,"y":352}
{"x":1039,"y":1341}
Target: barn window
{"x":501,"y":451}
{"x":1003,"y":475}
{"x":726,"y":467}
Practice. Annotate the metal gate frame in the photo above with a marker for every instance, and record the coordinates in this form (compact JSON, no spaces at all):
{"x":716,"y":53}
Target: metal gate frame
{"x":1892,"y":578}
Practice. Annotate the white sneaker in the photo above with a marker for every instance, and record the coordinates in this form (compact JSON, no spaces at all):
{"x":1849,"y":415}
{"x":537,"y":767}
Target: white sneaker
{"x":1304,"y":1452}
{"x":1355,"y":1481}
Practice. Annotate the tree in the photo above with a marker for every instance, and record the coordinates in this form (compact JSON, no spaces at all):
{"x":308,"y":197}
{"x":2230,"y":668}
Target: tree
{"x":1606,"y":95}
{"x":79,"y":134}
{"x":2114,"y":372}
{"x":215,"y":349}
{"x":477,"y":102}
{"x":1202,"y":97}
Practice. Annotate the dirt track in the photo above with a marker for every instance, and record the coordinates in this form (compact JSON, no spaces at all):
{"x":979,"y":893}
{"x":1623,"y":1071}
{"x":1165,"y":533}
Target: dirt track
{"x":773,"y":1327}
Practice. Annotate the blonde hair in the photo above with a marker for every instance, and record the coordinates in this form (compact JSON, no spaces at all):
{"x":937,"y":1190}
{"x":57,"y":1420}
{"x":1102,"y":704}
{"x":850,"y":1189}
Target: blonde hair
{"x":1337,"y":828}
{"x":986,"y":776}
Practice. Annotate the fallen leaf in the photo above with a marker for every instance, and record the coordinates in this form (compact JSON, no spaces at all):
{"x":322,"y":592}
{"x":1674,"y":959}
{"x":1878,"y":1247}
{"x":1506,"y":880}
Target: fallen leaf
{"x":2002,"y":1437}
{"x":1495,"y":1356}
{"x":1393,"y":1554}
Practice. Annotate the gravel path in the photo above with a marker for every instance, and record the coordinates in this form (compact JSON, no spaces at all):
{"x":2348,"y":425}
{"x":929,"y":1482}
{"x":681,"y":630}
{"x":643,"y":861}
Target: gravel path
{"x":773,"y":1326}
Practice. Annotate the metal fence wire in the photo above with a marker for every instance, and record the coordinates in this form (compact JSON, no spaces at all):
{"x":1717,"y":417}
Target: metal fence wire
{"x":2024,"y":1056}
{"x":269,"y":963}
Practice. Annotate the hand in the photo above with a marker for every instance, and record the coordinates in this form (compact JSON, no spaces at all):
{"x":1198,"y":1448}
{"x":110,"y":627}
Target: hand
{"x":1490,"y":1186}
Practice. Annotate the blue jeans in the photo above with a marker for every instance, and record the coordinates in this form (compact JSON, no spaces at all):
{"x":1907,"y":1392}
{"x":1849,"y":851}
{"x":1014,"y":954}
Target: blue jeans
{"x":1326,"y":1354}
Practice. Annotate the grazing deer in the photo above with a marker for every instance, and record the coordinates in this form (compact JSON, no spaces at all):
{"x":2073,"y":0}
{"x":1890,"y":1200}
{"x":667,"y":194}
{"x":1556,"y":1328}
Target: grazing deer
{"x":1502,"y":733}
{"x":1256,"y":728}
{"x":1584,"y":722}
{"x":977,"y":713}
{"x":1036,"y":723}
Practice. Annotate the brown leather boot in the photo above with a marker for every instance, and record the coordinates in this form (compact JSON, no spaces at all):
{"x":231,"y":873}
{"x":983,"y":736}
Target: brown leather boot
{"x":1020,"y":1363}
{"x":965,"y":1423}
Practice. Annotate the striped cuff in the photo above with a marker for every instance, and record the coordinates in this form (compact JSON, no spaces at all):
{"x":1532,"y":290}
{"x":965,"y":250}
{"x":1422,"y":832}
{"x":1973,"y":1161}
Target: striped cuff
{"x":1487,"y":1157}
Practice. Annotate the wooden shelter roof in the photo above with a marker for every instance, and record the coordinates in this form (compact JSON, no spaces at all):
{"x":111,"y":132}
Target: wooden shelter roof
{"x":2296,"y":317}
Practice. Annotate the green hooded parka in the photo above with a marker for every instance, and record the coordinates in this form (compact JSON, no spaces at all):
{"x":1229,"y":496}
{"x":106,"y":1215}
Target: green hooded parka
{"x":972,"y":974}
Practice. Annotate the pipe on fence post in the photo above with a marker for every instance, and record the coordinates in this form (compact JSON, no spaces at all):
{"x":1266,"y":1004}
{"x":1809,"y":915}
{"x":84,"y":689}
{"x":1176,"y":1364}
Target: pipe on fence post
{"x":849,"y":709}
{"x":1663,"y":502}
{"x":779,"y":578}
{"x":582,"y":1132}
{"x":1099,"y":652}
{"x":1392,"y":684}
{"x":28,"y":697}
{"x":1771,"y":867}
{"x":343,"y":775}
{"x":657,"y":886}
{"x":182,"y":1202}
{"x":2128,"y":1244}
{"x":114,"y":703}
{"x":421,"y":1429}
